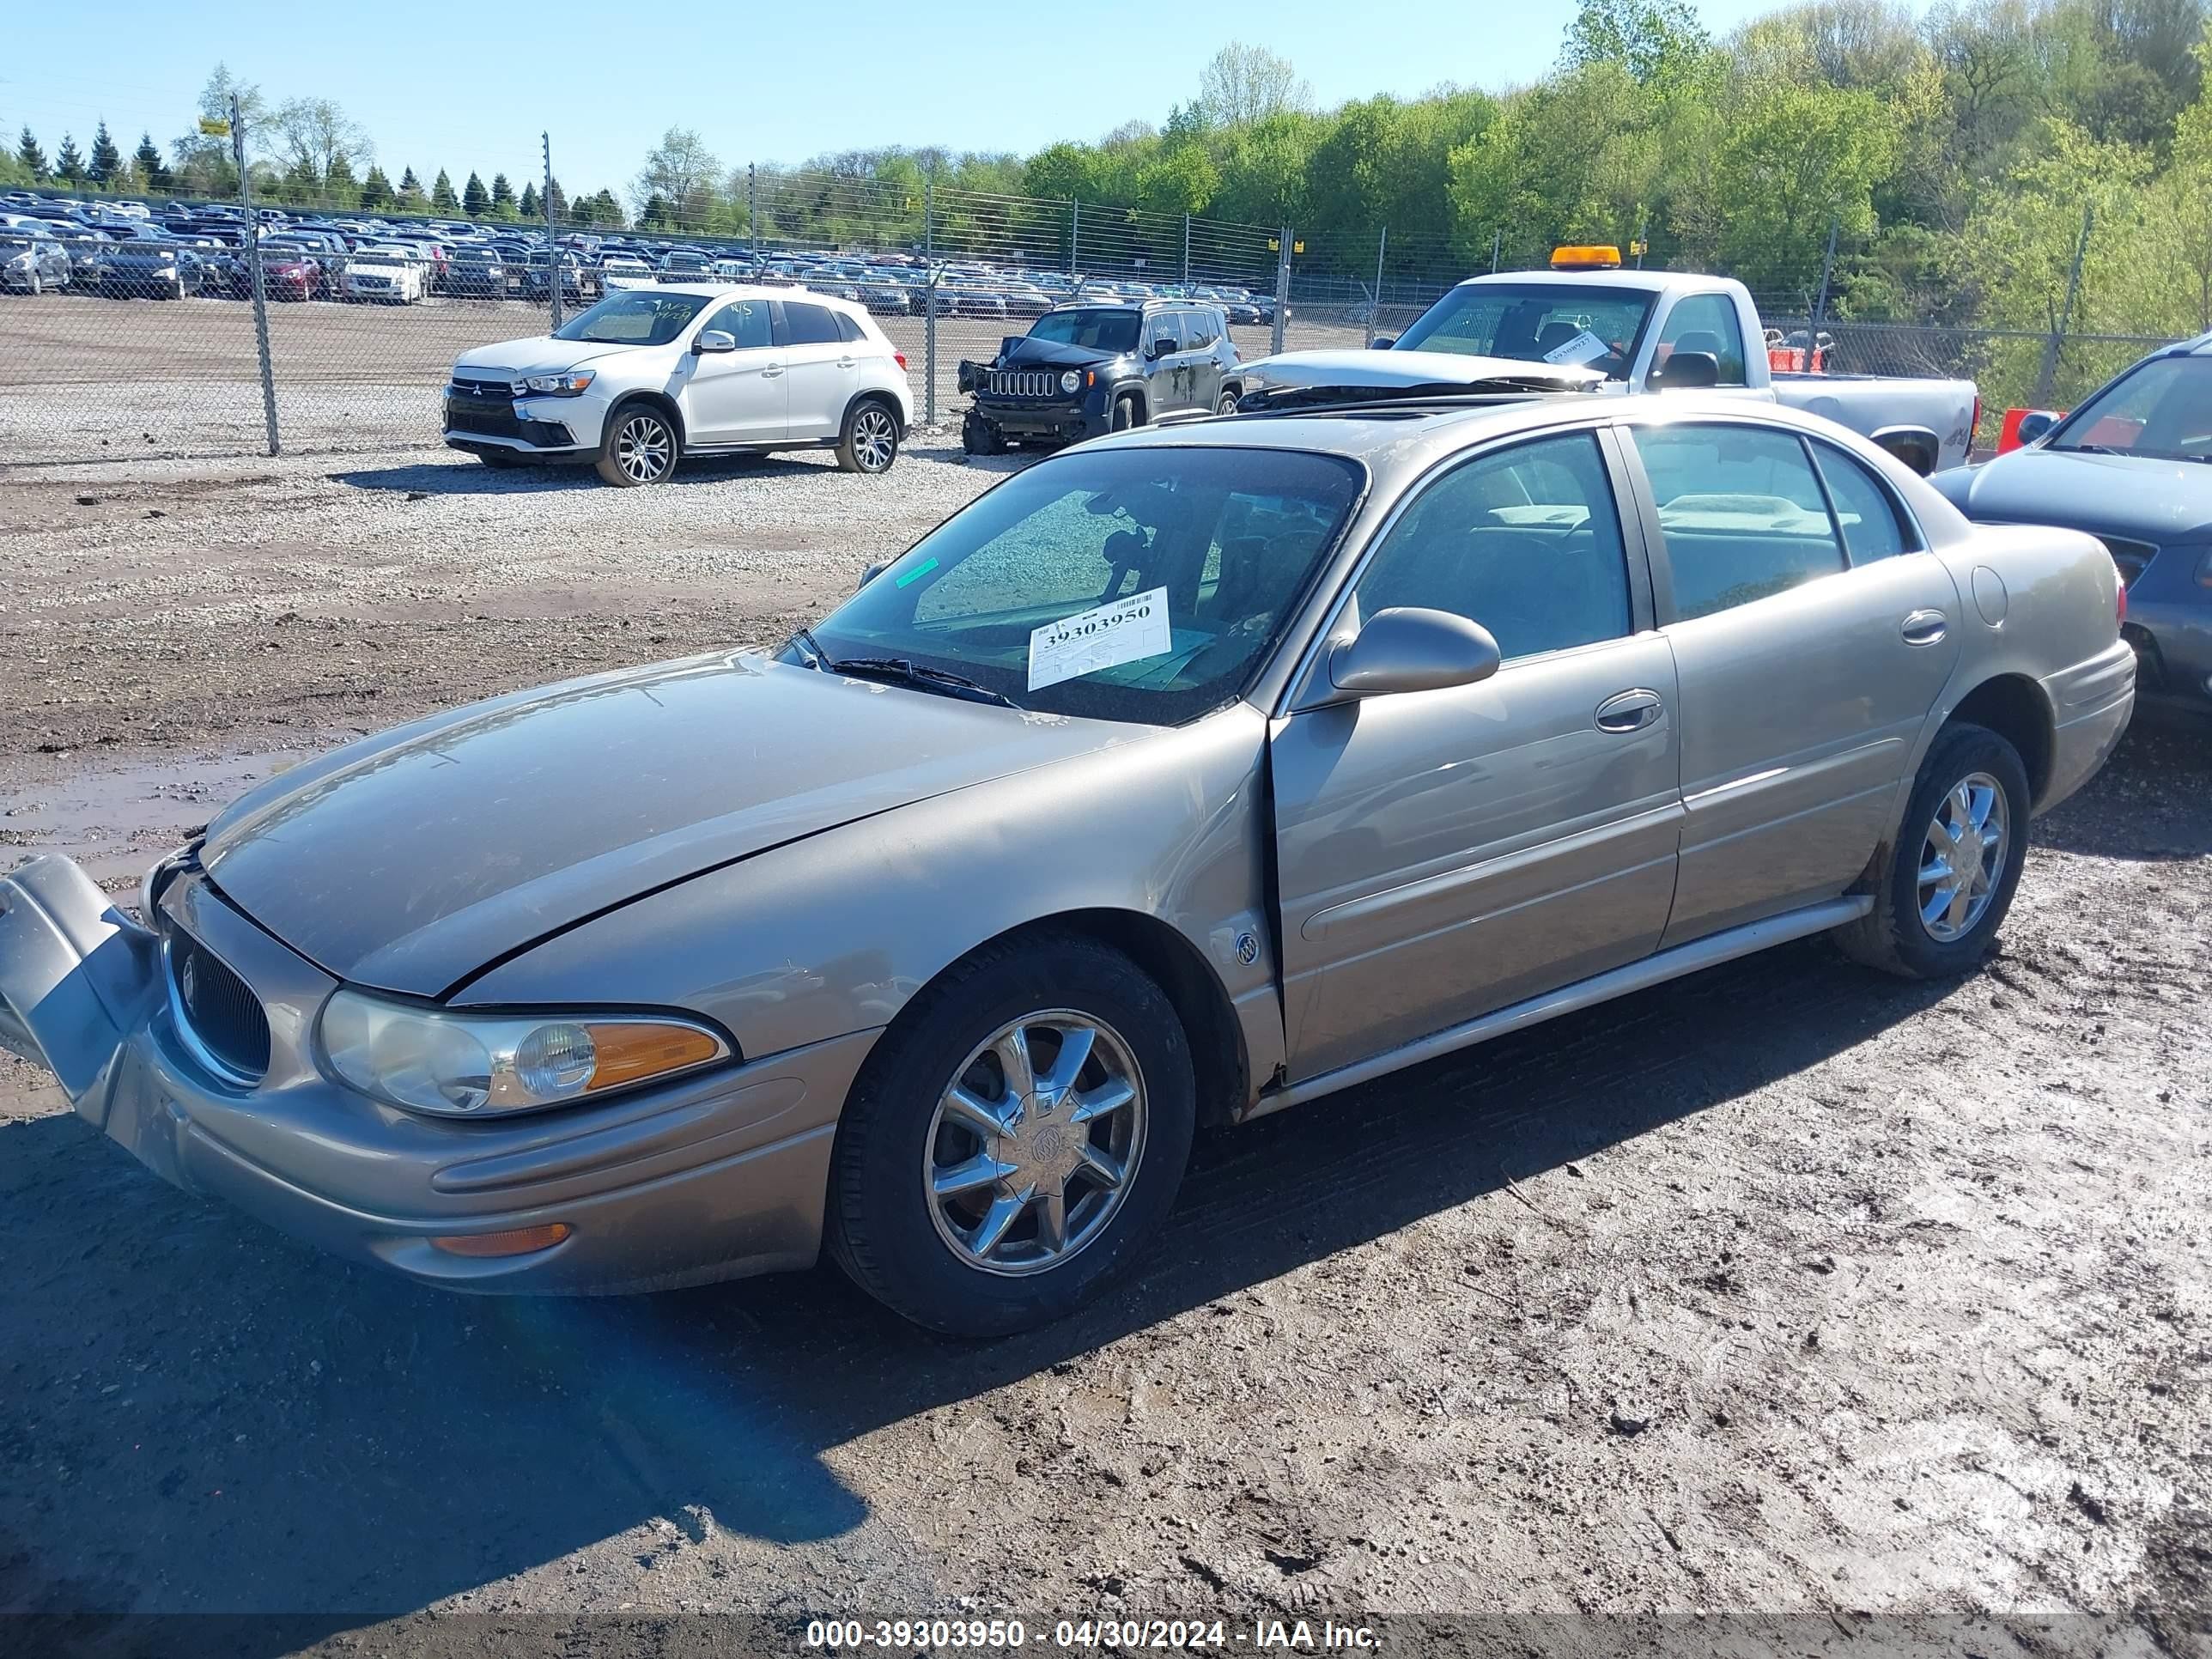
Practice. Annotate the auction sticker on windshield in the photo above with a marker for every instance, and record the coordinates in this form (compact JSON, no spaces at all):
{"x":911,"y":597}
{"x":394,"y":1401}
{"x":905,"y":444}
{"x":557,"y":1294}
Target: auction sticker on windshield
{"x":1585,"y":347}
{"x":1104,"y":636}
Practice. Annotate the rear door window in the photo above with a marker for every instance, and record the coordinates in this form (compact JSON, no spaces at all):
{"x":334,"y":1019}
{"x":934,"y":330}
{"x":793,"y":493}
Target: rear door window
{"x":810,"y":324}
{"x":1743,"y":512}
{"x":1867,"y":514}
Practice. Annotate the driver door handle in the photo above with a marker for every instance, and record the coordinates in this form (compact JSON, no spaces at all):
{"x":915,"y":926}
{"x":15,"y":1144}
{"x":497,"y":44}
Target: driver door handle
{"x":771,"y":368}
{"x":1630,"y":711}
{"x":1924,"y":627}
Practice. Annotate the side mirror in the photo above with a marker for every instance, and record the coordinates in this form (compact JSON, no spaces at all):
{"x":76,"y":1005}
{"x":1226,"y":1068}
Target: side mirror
{"x":712,"y":341}
{"x":1159,"y":349}
{"x":2036,"y":423}
{"x":1408,"y":649}
{"x":869,"y":575}
{"x":1385,"y":342}
{"x":1685,"y":370}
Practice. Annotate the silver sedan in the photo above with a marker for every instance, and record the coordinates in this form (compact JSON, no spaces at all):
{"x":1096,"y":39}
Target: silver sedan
{"x":1185,"y":776}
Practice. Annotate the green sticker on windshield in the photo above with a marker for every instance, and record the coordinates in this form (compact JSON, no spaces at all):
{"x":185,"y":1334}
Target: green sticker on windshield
{"x":916,"y":574}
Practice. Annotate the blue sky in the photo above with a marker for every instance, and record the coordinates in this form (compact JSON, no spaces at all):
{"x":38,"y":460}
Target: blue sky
{"x":467,"y":85}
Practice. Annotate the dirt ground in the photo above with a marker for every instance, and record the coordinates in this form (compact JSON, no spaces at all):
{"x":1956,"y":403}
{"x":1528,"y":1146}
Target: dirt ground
{"x":1784,"y":1288}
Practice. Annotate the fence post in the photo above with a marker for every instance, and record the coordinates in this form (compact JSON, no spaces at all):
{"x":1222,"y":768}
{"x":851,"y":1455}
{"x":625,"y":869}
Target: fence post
{"x":1374,"y":304}
{"x":929,"y":303}
{"x":1820,"y":300}
{"x":2046,"y":380}
{"x":253,"y":268}
{"x":1074,"y":234}
{"x":1186,"y":249}
{"x":1497,"y":247}
{"x":553,"y":272}
{"x":752,"y":204}
{"x":1282,"y":293}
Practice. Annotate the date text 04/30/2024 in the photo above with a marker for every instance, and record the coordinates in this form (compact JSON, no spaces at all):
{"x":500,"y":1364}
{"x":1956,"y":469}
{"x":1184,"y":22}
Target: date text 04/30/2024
{"x":1295,"y":1635}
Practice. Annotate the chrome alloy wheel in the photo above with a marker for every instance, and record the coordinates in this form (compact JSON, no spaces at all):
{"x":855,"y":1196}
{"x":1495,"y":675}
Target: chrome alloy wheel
{"x":1035,"y":1146}
{"x":644,"y":448}
{"x":875,"y":439}
{"x":1962,"y":857}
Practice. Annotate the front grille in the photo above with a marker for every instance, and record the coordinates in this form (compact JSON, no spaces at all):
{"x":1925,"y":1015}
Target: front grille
{"x":488,"y":411}
{"x":219,"y":1008}
{"x":1024,"y":383}
{"x":2132,"y":557}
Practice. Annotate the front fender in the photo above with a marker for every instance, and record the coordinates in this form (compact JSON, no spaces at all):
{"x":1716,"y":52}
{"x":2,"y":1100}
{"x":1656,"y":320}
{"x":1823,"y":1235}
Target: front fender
{"x":837,"y":934}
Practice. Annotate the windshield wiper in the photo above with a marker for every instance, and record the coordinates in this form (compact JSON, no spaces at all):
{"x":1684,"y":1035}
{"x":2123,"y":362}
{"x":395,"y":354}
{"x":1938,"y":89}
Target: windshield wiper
{"x":804,"y":637}
{"x":914,"y":673}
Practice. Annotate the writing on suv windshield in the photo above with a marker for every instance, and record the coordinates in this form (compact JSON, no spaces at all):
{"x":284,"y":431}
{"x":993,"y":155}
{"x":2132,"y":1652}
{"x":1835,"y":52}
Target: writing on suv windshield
{"x":634,"y":318}
{"x":1093,"y":331}
{"x":1134,"y":584}
{"x":2163,"y":411}
{"x":1589,"y":327}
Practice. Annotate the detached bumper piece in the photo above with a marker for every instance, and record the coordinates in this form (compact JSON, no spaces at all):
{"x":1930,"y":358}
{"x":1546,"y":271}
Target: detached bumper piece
{"x":77,"y":977}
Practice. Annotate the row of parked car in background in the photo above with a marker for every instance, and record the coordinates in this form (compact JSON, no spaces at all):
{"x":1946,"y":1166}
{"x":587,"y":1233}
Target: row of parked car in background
{"x":138,"y":250}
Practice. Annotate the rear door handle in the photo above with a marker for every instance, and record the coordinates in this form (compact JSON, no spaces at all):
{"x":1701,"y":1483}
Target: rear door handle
{"x":1630,"y":711}
{"x":1924,"y":627}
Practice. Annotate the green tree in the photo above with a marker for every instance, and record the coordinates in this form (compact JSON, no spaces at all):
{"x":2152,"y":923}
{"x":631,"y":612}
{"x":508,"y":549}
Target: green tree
{"x":376,"y":190}
{"x":69,"y":162}
{"x":339,"y":185}
{"x":106,"y":160}
{"x":502,"y":196}
{"x":529,"y":207}
{"x":442,"y":199}
{"x":682,"y":172}
{"x":2187,"y":205}
{"x":151,"y":167}
{"x":1792,"y":161}
{"x":1242,"y":86}
{"x":1654,"y":41}
{"x":30,"y":157}
{"x":474,"y":197}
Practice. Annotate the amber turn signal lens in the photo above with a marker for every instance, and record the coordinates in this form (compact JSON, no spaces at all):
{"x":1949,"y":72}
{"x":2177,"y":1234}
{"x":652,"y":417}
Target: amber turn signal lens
{"x":520,"y":1241}
{"x":628,"y":1053}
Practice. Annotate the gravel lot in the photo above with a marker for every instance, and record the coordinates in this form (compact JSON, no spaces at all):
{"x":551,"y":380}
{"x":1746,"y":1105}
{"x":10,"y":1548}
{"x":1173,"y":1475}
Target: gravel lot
{"x":1783,"y":1288}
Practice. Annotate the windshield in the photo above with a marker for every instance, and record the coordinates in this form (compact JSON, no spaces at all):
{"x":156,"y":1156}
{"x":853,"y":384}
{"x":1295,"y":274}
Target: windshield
{"x":635,"y":316}
{"x":2162,"y":410}
{"x":1092,"y":329}
{"x":1535,"y":323}
{"x":1146,"y":584}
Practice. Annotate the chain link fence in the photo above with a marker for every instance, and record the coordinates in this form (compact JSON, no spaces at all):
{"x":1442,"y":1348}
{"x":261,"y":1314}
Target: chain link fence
{"x":138,"y":344}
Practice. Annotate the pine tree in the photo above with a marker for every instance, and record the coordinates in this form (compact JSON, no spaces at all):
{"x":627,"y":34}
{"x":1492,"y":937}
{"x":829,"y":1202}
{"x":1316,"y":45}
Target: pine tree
{"x":442,"y":193}
{"x":376,"y":190}
{"x":150,"y":166}
{"x":408,"y":184}
{"x":107,"y":160}
{"x":33,"y":158}
{"x":555,"y":201}
{"x":529,"y":207}
{"x":68,"y":161}
{"x":474,"y":201}
{"x":340,"y":187}
{"x":502,"y":193}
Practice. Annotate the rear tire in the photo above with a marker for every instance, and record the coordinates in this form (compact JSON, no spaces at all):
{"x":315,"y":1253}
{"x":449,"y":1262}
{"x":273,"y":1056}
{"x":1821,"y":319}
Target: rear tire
{"x":1968,"y":810}
{"x":870,"y":443}
{"x":901,"y":1221}
{"x":641,"y":447}
{"x":1228,"y":404}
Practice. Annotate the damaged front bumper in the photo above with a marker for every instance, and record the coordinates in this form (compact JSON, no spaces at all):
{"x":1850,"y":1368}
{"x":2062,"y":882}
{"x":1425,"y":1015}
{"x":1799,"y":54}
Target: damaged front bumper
{"x":716,"y":1175}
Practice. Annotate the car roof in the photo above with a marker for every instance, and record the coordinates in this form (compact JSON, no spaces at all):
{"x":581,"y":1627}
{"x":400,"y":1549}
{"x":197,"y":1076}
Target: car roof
{"x":755,"y":291}
{"x":1398,"y":441}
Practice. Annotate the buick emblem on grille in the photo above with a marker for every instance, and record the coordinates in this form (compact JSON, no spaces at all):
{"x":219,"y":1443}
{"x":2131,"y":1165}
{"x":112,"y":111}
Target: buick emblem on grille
{"x":188,"y":980}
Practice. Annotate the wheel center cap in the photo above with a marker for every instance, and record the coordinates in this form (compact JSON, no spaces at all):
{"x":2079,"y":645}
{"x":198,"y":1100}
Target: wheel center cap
{"x":1039,"y":1141}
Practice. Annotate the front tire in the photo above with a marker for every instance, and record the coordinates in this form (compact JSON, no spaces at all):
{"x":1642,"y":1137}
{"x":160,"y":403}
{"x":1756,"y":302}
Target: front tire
{"x":641,"y":447}
{"x":1227,"y":406}
{"x":1014,"y":1140}
{"x":870,"y":441}
{"x":1125,"y":413}
{"x":1949,"y":879}
{"x":979,"y":437}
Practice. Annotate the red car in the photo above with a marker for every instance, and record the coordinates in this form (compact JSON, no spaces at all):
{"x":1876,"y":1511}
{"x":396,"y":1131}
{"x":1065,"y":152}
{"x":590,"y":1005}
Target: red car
{"x":291,"y":277}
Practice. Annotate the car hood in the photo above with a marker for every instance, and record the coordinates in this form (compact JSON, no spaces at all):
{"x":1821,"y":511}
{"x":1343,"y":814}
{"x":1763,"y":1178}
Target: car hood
{"x":534,"y":355}
{"x":1407,"y":369}
{"x":1055,"y":354}
{"x":410,"y":861}
{"x":2133,"y":497}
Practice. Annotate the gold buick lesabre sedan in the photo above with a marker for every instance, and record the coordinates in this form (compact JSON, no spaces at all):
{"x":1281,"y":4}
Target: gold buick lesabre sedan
{"x":1189,"y":774}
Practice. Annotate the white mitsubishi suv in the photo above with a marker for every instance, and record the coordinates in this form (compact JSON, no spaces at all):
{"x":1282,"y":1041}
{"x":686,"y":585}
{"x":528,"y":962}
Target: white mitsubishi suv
{"x":651,"y":374}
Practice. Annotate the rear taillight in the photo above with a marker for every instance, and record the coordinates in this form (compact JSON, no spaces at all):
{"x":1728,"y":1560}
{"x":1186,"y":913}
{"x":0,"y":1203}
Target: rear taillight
{"x":900,"y":357}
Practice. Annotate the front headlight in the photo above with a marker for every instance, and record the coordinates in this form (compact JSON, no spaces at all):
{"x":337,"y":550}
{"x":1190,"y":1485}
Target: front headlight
{"x":569,"y":384}
{"x":457,"y":1064}
{"x":1069,"y":380}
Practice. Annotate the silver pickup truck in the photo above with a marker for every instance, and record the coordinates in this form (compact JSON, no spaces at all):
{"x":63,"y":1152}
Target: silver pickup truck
{"x":1639,"y":331}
